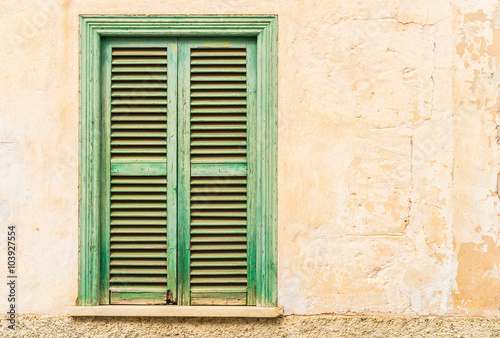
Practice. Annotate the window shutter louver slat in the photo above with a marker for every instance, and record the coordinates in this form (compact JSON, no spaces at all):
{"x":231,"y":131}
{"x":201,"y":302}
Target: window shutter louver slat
{"x":138,"y":182}
{"x":218,"y":182}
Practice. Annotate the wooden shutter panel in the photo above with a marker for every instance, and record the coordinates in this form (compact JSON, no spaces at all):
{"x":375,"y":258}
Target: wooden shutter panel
{"x":218,"y":193}
{"x":138,"y":176}
{"x":217,"y":247}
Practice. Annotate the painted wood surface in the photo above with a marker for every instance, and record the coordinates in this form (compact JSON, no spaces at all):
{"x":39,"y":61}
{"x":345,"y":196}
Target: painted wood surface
{"x":209,"y":92}
{"x":138,"y":113}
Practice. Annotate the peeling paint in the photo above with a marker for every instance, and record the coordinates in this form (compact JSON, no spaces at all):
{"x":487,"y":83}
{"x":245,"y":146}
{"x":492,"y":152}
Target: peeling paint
{"x":478,"y":282}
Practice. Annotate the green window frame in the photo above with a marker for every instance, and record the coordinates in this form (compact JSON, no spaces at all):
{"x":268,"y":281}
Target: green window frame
{"x":95,"y":34}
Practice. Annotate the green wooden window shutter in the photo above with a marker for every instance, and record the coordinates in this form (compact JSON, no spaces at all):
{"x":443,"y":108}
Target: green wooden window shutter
{"x":217,"y":188}
{"x":179,"y":187}
{"x":138,"y":223}
{"x":178,"y":160}
{"x":137,"y":77}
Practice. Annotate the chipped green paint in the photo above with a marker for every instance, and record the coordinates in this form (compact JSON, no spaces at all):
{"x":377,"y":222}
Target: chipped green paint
{"x":142,"y":298}
{"x":144,"y":170}
{"x":262,"y":166}
{"x":233,"y":285}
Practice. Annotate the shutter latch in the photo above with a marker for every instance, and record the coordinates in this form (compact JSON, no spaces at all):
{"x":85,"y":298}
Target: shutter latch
{"x":170,"y":297}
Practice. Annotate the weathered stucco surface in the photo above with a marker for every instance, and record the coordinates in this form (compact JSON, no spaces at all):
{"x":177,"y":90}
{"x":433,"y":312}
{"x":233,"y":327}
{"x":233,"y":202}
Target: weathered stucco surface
{"x":388,"y":151}
{"x":290,"y":326}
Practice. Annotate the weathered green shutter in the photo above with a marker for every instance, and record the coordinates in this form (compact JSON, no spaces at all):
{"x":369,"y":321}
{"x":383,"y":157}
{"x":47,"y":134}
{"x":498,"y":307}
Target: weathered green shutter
{"x":218,"y":174}
{"x":138,"y":198}
{"x":135,"y":231}
{"x":213,"y":125}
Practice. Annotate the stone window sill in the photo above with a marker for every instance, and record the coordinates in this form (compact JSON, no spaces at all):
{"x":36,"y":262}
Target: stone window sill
{"x":174,"y":311}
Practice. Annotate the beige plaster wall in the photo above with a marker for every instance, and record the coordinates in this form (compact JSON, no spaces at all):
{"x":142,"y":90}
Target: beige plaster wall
{"x":388,"y":155}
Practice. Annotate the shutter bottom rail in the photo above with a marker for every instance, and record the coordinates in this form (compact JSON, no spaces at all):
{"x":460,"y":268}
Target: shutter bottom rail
{"x":138,"y":298}
{"x":218,"y":298}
